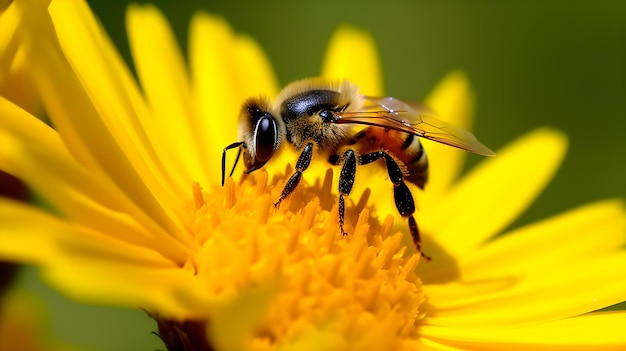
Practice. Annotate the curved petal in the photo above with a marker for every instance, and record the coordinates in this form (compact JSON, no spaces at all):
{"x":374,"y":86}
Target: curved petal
{"x":113,"y":91}
{"x":580,"y":234}
{"x":15,"y":81}
{"x":33,"y":152}
{"x":254,"y":71}
{"x":10,"y":20}
{"x":557,"y":293}
{"x":494,"y":193}
{"x":535,"y":250}
{"x":85,"y":200}
{"x":352,"y":55}
{"x":90,"y":266}
{"x":161,"y":71}
{"x":30,"y":235}
{"x":211,"y":52}
{"x":26,"y":127}
{"x":9,"y":39}
{"x":596,"y":331}
{"x":225,"y":70}
{"x":462,"y":293}
{"x":94,"y":267}
{"x":116,"y":284}
{"x":74,"y":116}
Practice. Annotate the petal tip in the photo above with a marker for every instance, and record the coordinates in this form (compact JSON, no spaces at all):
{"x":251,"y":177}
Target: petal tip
{"x":347,"y":42}
{"x":557,"y":139}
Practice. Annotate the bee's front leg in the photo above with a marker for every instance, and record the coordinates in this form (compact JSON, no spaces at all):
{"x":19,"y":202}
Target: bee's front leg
{"x":304,"y":160}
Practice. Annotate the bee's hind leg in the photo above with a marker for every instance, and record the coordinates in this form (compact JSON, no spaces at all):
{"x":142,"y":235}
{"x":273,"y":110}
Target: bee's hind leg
{"x":401,"y":193}
{"x":304,"y":160}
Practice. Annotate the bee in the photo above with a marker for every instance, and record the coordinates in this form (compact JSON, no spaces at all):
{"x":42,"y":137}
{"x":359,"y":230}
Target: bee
{"x":315,"y":115}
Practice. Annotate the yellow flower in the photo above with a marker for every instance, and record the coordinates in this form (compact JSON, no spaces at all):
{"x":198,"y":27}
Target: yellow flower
{"x":139,"y":218}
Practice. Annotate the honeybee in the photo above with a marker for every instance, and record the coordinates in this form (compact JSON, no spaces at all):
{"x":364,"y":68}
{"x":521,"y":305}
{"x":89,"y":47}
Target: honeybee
{"x":321,"y":116}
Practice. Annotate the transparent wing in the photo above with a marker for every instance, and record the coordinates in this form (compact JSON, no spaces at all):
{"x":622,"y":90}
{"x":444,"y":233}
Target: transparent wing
{"x":412,"y":118}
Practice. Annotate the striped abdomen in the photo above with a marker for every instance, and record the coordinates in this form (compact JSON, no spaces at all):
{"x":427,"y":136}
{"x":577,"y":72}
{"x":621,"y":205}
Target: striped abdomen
{"x":405,"y":147}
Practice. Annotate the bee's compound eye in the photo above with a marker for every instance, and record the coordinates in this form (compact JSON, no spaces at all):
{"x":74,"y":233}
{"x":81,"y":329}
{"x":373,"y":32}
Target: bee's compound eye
{"x":325,"y":115}
{"x":328,"y":116}
{"x":265,"y":136}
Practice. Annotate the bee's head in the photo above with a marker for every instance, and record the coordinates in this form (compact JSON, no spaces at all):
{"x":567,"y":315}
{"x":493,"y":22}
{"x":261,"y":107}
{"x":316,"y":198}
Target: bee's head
{"x":261,"y":132}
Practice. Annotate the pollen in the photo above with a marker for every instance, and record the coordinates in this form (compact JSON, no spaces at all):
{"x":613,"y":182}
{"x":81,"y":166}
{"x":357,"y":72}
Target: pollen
{"x":350,"y":285}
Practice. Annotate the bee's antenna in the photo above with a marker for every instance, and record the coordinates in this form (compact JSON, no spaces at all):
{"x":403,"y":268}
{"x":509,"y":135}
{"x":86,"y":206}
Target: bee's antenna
{"x":236,"y":161}
{"x":238,"y":144}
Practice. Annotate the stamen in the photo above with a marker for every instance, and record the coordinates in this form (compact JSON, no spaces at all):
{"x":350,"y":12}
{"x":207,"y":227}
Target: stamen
{"x":198,"y":197}
{"x":230,"y":199}
{"x":261,"y":182}
{"x":245,"y":242}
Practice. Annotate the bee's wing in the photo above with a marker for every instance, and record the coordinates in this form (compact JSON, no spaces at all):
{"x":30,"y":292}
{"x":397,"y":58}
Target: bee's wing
{"x":416,"y":119}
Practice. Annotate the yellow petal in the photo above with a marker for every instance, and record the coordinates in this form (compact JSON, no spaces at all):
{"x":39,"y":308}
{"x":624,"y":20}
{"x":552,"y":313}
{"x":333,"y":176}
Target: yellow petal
{"x":557,"y":293}
{"x":86,"y":200}
{"x":125,"y":285}
{"x":32,"y":236}
{"x":457,"y":293}
{"x":352,"y":55}
{"x":94,"y":267}
{"x":211,"y":52}
{"x":255,"y":74}
{"x":74,"y":116}
{"x":24,"y":126}
{"x":453,"y":101}
{"x":15,"y":81}
{"x":90,"y":266}
{"x":84,"y":197}
{"x":9,"y":39}
{"x":493,"y":194}
{"x":161,"y":70}
{"x":580,"y":234}
{"x":596,"y":331}
{"x":225,"y":70}
{"x":112,"y":90}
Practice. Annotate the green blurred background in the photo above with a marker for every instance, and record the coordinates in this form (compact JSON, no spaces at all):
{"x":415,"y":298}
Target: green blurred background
{"x":532,"y":63}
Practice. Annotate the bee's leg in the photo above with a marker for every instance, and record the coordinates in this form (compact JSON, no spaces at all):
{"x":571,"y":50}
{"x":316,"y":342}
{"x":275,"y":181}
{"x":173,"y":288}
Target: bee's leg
{"x":346,"y":181}
{"x":303,"y":163}
{"x":401,"y":193}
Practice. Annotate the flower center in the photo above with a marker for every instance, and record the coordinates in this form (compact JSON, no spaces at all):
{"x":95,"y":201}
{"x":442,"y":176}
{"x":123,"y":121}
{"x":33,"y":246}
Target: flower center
{"x":354,"y":285}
